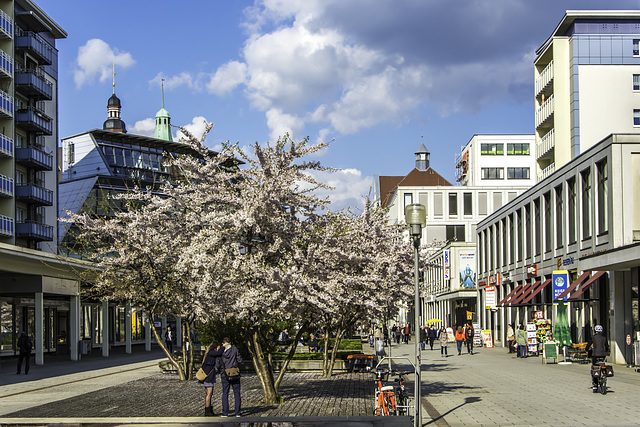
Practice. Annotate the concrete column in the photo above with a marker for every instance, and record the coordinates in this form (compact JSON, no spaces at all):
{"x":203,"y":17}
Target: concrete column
{"x":620,"y":317}
{"x":147,"y":332}
{"x":74,"y":327}
{"x":179,"y":332}
{"x":39,"y":325}
{"x":104,"y":328}
{"x":127,"y":327}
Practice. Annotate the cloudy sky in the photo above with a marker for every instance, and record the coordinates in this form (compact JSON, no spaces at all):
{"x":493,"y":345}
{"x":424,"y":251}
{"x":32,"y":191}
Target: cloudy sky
{"x":377,"y":77}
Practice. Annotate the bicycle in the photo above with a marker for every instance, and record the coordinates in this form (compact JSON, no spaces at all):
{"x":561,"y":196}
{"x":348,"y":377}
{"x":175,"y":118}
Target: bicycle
{"x":402,"y":400}
{"x":599,"y":372}
{"x":385,"y":396}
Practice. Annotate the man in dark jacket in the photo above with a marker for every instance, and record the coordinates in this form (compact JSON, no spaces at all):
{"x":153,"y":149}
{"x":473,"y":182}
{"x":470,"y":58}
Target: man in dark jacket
{"x":432,"y":335}
{"x":24,"y":345}
{"x":599,"y":352}
{"x":230,"y":359}
{"x":169,"y":338}
{"x":469,"y":333}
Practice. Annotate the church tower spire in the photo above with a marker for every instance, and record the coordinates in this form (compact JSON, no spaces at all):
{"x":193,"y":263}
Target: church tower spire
{"x":422,"y":158}
{"x":163,"y":122}
{"x":113,"y":122}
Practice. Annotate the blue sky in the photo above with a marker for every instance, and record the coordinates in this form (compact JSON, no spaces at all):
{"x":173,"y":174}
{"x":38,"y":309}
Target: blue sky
{"x":376,"y":76}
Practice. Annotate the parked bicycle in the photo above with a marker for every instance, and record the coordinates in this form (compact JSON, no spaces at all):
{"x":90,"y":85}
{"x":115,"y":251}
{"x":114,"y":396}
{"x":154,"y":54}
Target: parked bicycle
{"x":385,"y":396}
{"x":402,"y":399}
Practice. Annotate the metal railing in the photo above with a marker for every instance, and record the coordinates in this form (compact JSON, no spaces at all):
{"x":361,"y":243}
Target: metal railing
{"x":35,"y":120}
{"x":546,"y":144}
{"x":6,"y":186}
{"x":546,"y":172}
{"x":6,"y":25}
{"x":7,"y":226}
{"x":545,"y":111}
{"x":34,"y":193}
{"x":34,"y":43}
{"x":6,"y":146}
{"x":33,"y":82}
{"x":34,"y":157}
{"x":34,"y":230}
{"x":6,"y":103}
{"x":545,"y":77}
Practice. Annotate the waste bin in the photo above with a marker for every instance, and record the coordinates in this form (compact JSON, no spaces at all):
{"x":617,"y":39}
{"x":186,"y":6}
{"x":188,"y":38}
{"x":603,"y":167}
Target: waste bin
{"x":85,"y":346}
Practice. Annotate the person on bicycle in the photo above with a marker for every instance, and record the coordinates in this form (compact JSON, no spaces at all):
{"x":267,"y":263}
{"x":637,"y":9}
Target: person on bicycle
{"x":599,"y":352}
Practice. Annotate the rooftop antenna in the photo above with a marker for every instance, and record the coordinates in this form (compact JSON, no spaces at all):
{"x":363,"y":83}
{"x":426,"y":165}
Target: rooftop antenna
{"x":162,"y":83}
{"x":114,"y":77}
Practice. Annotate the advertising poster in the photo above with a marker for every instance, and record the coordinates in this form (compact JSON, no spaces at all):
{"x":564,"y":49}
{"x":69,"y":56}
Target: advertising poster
{"x":560,"y":283}
{"x":490,"y":297}
{"x":486,"y":338}
{"x":477,"y":334}
{"x":446,"y":264}
{"x":468,"y":269}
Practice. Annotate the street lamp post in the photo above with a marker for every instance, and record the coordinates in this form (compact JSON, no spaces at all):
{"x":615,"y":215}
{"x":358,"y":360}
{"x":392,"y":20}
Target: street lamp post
{"x":416,"y":217}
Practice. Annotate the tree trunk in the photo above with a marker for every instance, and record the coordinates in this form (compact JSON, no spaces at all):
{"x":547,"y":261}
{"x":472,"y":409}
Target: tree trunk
{"x":263,"y":368}
{"x":189,"y":369}
{"x":325,"y":353}
{"x":334,"y":352}
{"x":290,"y":355}
{"x":173,"y":361}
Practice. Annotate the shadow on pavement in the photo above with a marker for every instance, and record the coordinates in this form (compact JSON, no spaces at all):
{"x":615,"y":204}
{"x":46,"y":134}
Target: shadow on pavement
{"x":467,"y":400}
{"x":434,"y":388}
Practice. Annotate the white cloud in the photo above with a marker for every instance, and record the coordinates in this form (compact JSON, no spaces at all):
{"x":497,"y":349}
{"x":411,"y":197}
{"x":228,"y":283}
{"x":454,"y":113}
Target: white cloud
{"x":146,"y":127}
{"x":350,"y":187}
{"x":174,"y":82}
{"x":95,"y":61}
{"x":227,"y":77}
{"x":196,"y":128}
{"x":280,"y":123}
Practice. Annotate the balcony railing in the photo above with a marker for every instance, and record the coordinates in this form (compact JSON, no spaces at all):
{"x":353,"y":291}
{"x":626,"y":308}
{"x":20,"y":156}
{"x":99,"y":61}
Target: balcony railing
{"x":34,"y":120}
{"x":6,"y":226}
{"x":544,"y":79}
{"x":34,"y":231}
{"x":6,"y":25}
{"x":32,"y":83}
{"x":35,"y":45}
{"x":34,"y":194}
{"x":543,"y":114}
{"x":6,"y":64}
{"x":546,"y":144}
{"x":35,"y":158}
{"x":6,"y":104}
{"x":546,"y":172}
{"x":6,"y":146}
{"x":6,"y":186}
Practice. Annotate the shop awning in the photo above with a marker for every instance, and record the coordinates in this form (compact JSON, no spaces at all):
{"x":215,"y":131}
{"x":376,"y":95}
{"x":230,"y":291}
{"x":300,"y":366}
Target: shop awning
{"x":514,"y":294}
{"x":509,"y":295}
{"x":525,"y":288}
{"x":574,"y":285}
{"x":586,"y":285}
{"x":536,"y":291}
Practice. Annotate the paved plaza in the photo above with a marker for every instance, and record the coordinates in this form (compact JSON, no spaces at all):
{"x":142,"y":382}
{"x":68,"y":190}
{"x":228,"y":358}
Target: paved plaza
{"x":489,"y":388}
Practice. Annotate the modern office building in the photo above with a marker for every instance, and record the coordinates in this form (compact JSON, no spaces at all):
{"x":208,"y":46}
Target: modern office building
{"x":587,"y":84}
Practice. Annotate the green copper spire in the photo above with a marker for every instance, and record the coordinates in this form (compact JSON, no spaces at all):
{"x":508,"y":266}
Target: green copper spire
{"x":163,"y":122}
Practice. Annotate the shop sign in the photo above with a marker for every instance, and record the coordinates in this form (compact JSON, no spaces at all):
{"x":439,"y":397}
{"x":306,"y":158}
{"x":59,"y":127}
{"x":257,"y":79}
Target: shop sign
{"x":532,"y":270}
{"x":560,"y":283}
{"x":539,"y":314}
{"x":564,"y":261}
{"x":490,"y":297}
{"x":468,"y":269}
{"x":446,"y":264}
{"x":494,"y":280}
{"x":628,"y":339}
{"x":430,"y":298}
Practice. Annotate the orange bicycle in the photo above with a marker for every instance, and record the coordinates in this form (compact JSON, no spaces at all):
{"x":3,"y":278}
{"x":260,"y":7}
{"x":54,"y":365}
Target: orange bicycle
{"x":385,"y":396}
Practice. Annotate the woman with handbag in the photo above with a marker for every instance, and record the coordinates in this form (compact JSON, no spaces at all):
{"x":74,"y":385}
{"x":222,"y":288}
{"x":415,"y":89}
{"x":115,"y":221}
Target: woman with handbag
{"x":212,"y":355}
{"x":228,"y":365}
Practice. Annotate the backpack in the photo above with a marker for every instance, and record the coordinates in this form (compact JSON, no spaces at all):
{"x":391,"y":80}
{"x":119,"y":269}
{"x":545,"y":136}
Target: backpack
{"x":469,"y":332}
{"x":28,"y":345}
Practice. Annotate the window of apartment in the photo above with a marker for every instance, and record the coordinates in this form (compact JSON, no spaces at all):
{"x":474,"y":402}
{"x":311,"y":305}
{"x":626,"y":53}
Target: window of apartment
{"x":455,"y":232}
{"x":518,"y":149}
{"x":467,"y":201}
{"x":497,"y":200}
{"x":437,"y":205}
{"x":517,"y":173}
{"x":527,"y":230}
{"x":21,"y":215}
{"x":547,"y":221}
{"x":571,"y":209}
{"x":495,"y":173}
{"x":71,"y":153}
{"x":636,"y":47}
{"x":512,"y":237}
{"x":586,"y":203}
{"x":491,"y":149}
{"x":519,"y":237}
{"x":453,"y":204}
{"x":408,"y":199}
{"x":482,"y":203}
{"x":423,"y":199}
{"x":537,"y":231}
{"x":636,"y":117}
{"x":603,"y":199}
{"x":636,"y":82}
{"x":559,"y":213}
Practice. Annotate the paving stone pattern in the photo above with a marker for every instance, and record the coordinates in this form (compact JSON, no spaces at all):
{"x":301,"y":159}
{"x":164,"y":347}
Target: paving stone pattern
{"x":163,"y":395}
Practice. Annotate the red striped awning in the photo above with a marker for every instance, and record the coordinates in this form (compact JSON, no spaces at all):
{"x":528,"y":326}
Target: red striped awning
{"x":536,"y":291}
{"x":526,"y":287}
{"x":586,"y":285}
{"x":574,"y":285}
{"x":517,"y":288}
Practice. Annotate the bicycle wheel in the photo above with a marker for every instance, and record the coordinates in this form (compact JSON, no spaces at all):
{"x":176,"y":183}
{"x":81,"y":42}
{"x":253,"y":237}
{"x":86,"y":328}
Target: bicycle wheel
{"x":602,"y":385}
{"x":402,"y":404}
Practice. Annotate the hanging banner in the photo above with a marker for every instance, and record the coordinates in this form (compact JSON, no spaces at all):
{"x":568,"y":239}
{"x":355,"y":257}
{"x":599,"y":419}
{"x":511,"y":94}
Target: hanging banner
{"x":490,"y":297}
{"x":467,"y":269}
{"x":560,"y":283}
{"x":446,"y":264}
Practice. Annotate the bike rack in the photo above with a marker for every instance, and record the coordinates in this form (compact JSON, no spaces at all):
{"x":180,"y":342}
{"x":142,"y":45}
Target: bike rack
{"x":414,"y":369}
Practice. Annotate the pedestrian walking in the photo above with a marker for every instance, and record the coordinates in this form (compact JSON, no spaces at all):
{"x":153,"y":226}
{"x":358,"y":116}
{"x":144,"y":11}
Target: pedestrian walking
{"x":469,"y":333}
{"x":423,"y":337}
{"x":407,"y":334}
{"x":25,"y":345}
{"x":521,"y":340}
{"x":212,"y":355}
{"x":169,"y":338}
{"x":432,"y":333}
{"x":444,"y":340}
{"x":511,"y":338}
{"x":459,"y":339}
{"x":230,"y":359}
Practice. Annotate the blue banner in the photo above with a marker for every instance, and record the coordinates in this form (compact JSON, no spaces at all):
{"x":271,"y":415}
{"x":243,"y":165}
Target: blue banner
{"x":560,"y":283}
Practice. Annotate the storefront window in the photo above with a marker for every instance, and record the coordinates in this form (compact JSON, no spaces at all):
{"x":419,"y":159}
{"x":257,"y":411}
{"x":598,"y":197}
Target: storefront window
{"x":6,"y":327}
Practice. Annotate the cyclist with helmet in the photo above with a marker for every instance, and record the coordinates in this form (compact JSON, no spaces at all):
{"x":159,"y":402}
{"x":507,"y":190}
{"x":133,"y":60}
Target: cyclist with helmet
{"x":600,"y":350}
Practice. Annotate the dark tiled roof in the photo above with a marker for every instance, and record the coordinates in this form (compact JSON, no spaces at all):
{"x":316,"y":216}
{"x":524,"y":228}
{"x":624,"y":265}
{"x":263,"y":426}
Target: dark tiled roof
{"x":415,"y":178}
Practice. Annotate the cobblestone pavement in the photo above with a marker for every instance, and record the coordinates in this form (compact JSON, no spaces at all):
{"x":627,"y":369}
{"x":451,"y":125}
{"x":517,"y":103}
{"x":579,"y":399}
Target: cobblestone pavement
{"x":162,"y":395}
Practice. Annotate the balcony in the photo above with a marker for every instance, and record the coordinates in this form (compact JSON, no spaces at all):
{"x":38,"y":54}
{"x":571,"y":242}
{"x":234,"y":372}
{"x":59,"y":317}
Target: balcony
{"x":34,"y":231}
{"x":6,"y":186}
{"x":6,"y":104}
{"x":6,"y":226}
{"x":546,"y":144}
{"x":6,"y":65}
{"x":34,"y":120}
{"x":546,"y":172}
{"x":34,"y":44}
{"x":6,"y":146}
{"x":34,"y":194}
{"x":34,"y":158}
{"x":544,"y":114}
{"x":6,"y":27}
{"x":32,"y":83}
{"x":544,"y":80}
